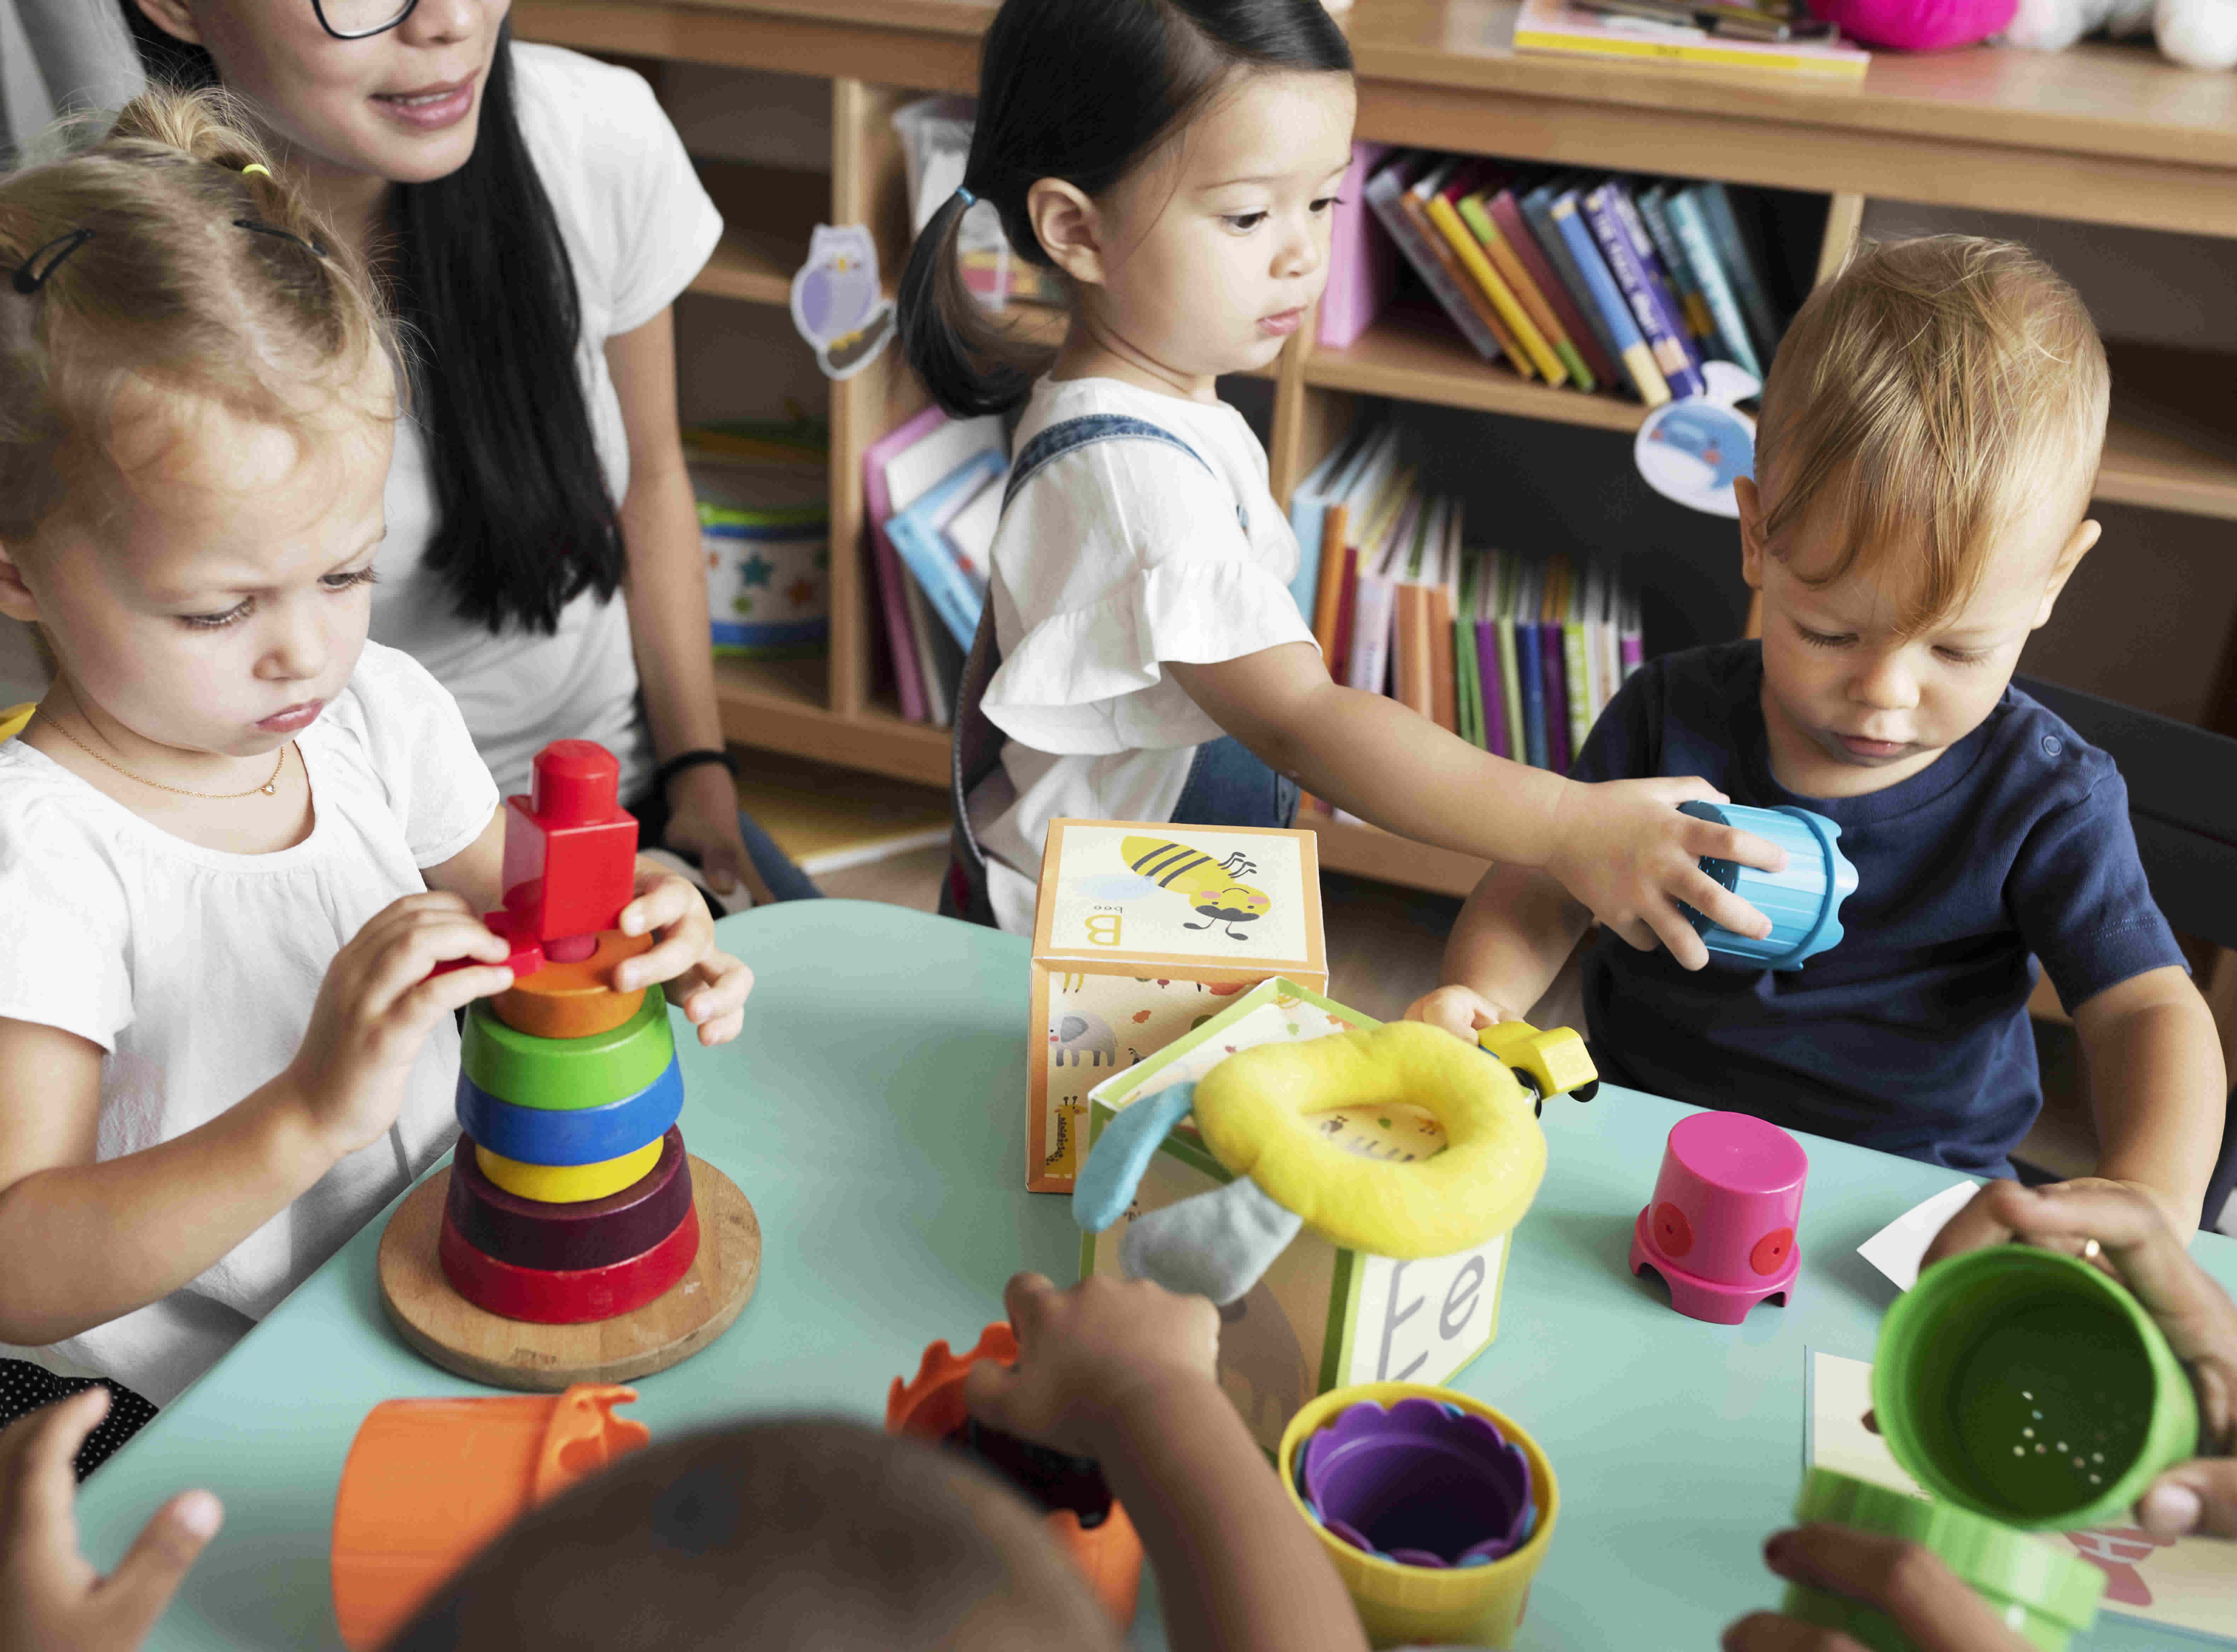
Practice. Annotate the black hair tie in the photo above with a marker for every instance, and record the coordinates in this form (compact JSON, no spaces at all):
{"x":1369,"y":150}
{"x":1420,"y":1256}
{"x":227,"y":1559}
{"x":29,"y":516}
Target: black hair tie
{"x":258,"y":227}
{"x":676,"y":766}
{"x":31,"y":274}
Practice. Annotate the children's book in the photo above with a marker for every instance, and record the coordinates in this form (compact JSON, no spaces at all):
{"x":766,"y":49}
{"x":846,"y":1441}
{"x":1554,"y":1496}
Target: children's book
{"x":1736,"y":252}
{"x":1632,"y":347}
{"x":1468,"y":681}
{"x":1411,"y":673}
{"x":1536,"y":204}
{"x":1598,"y":210}
{"x":1389,"y":198}
{"x":1367,"y":662}
{"x":1308,"y":505}
{"x":1659,"y":281}
{"x":1529,"y":664}
{"x":1372,"y":510}
{"x":915,"y":530}
{"x":1484,"y":625}
{"x":908,"y":680}
{"x":1577,"y":661}
{"x":969,"y":535}
{"x":1505,"y":638}
{"x":1443,"y":208}
{"x":939,"y":662}
{"x":1444,"y":608}
{"x":1553,"y":26}
{"x":1649,"y":204}
{"x":1415,"y":203}
{"x":1506,"y":211}
{"x":1686,"y":223}
{"x":1475,"y":212}
{"x":1552,"y":606}
{"x":1362,"y":260}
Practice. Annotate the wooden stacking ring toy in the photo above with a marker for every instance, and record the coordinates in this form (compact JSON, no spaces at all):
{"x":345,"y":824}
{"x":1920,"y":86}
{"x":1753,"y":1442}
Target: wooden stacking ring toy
{"x":576,"y":999}
{"x":530,"y":1071}
{"x":428,"y":1482}
{"x":567,"y":1296}
{"x":571,"y":1136}
{"x":568,"y":1184}
{"x":1255,"y":1110}
{"x":597,"y":1233}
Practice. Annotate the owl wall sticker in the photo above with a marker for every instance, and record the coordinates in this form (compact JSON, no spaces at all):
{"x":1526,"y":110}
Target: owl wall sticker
{"x":838,"y":302}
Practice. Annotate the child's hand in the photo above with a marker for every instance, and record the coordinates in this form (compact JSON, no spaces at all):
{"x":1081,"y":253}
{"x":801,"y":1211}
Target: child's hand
{"x":2122,"y":1228}
{"x":1935,"y":1609}
{"x":1628,"y":855}
{"x":51,"y":1599}
{"x":376,"y":1007}
{"x":708,"y":986}
{"x":1459,"y":1011}
{"x":1086,"y":1354}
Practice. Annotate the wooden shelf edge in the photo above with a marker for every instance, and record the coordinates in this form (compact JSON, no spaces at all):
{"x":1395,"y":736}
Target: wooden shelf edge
{"x":875,"y":742}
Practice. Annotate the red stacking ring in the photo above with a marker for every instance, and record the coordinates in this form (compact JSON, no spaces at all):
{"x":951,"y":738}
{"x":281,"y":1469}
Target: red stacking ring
{"x":574,"y":1296}
{"x":595,"y":1233}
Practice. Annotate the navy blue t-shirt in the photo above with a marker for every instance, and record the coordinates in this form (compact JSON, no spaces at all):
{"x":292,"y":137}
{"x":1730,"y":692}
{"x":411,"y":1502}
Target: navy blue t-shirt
{"x":1911,"y":1035}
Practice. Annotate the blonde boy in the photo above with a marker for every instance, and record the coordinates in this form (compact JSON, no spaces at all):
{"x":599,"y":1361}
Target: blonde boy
{"x":1929,"y":438}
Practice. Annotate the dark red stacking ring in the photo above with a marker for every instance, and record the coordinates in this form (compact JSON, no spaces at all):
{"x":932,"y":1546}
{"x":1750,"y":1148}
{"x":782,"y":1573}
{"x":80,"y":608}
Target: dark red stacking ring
{"x":574,"y":1297}
{"x":596,"y":1232}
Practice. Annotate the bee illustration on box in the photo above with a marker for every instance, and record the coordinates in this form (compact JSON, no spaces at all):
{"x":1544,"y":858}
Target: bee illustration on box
{"x":1213,"y":888}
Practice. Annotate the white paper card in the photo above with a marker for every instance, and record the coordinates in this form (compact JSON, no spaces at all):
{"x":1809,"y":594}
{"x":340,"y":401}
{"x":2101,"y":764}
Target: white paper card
{"x":1897,"y":1248}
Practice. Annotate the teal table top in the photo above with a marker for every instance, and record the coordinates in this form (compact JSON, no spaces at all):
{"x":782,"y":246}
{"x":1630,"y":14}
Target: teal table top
{"x":874,"y":1111}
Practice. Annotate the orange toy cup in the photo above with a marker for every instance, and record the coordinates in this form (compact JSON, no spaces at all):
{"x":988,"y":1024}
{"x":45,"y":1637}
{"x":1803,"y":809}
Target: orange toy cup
{"x":428,"y":1482}
{"x":931,"y":1408}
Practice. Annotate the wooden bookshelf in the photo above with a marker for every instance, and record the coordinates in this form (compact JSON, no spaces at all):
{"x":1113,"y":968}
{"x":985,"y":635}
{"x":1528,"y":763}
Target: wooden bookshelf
{"x":2101,"y":133}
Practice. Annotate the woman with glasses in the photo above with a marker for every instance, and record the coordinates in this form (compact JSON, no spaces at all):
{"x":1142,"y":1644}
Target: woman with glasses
{"x":535,"y":216}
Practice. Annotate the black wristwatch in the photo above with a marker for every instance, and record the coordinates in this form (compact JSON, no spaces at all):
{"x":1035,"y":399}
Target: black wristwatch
{"x":683,"y":761}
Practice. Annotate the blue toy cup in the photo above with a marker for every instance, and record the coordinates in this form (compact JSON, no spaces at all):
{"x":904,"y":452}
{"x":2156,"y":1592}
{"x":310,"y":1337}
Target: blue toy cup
{"x":1803,"y":903}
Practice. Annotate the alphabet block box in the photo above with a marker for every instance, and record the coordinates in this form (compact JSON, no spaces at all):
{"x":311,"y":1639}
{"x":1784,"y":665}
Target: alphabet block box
{"x":1322,"y":1317}
{"x":1141,"y":933}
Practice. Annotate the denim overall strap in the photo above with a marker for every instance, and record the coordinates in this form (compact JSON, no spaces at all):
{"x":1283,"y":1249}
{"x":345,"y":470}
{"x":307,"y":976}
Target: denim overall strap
{"x":978,"y":744}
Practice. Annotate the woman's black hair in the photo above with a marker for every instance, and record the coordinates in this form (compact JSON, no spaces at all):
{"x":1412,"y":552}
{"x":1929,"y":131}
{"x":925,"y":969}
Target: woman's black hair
{"x":1080,"y":90}
{"x":482,"y":282}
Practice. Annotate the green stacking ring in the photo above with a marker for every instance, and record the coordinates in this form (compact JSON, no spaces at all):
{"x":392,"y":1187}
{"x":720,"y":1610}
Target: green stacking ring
{"x":567,"y":1072}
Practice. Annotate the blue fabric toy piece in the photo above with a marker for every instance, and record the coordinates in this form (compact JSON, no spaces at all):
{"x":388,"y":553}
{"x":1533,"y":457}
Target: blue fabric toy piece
{"x":1216,"y":1245}
{"x":1115,"y":1165}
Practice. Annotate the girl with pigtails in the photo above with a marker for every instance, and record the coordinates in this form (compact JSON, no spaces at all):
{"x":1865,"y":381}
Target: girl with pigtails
{"x":1176,"y":161}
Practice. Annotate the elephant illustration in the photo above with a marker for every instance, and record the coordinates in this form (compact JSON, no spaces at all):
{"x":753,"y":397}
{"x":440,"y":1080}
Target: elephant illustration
{"x":1257,"y":1349}
{"x":1082,"y":1038}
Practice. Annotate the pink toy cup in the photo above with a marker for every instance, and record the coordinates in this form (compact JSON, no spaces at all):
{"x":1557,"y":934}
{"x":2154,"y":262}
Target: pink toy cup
{"x":1720,"y":1230}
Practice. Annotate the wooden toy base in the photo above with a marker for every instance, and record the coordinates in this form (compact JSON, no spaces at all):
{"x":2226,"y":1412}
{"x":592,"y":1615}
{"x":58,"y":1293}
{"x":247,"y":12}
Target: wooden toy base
{"x":443,"y":1326}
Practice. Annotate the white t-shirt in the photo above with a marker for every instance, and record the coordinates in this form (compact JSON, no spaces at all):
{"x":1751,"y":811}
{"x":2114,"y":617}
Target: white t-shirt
{"x":1114,"y":558}
{"x":195,"y":970}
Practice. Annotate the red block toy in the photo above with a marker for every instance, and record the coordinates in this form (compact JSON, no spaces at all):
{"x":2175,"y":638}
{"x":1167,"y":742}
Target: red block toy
{"x":569,"y":851}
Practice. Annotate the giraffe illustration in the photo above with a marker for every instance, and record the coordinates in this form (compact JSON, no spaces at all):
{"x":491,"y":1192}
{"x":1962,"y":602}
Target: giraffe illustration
{"x":1059,"y":1161}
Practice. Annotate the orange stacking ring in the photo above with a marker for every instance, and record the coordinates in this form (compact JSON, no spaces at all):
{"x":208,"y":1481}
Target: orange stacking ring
{"x":429,"y":1481}
{"x":575,"y":1000}
{"x":568,"y":1296}
{"x":931,"y":1408}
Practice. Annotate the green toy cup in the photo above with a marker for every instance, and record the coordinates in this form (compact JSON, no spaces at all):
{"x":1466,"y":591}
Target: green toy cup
{"x":2030,"y":1387}
{"x":2044,"y":1596}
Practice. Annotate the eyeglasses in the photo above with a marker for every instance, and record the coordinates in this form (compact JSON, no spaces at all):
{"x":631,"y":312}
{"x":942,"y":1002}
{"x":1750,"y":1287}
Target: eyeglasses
{"x":362,"y":19}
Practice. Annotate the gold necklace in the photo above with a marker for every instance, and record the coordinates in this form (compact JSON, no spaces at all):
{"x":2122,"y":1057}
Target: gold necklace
{"x":268,"y":788}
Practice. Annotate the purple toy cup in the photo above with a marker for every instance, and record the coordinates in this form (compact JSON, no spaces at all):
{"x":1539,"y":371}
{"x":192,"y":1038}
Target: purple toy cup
{"x":1423,"y":1484}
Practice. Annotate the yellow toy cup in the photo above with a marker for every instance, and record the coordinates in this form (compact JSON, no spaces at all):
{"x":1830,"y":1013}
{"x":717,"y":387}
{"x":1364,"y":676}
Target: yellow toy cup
{"x":1400,"y":1605}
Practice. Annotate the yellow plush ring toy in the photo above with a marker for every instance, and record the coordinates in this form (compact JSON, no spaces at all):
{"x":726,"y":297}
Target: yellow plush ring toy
{"x":1256,"y":1110}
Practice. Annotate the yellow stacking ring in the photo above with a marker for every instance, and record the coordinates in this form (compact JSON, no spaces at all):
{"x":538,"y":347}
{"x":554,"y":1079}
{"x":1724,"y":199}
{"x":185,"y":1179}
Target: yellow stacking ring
{"x":568,"y":1184}
{"x":1255,"y":1110}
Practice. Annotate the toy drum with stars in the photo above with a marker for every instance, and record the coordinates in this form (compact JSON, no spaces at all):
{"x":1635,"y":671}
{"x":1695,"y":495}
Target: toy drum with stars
{"x":1720,"y":1229}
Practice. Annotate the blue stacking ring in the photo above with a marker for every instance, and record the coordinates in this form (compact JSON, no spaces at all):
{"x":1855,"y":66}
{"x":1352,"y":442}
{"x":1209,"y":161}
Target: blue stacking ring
{"x":571,"y":1136}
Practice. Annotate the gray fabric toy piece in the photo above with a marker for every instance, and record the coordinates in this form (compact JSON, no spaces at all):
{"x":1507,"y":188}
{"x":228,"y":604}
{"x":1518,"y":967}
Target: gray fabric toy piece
{"x":1214,"y":1245}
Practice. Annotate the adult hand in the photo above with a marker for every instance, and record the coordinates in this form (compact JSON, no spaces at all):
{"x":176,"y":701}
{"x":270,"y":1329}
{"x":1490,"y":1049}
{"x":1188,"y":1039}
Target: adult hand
{"x":2134,"y":1241}
{"x":1929,"y":1603}
{"x":1086,"y":1354}
{"x":707,"y":984}
{"x":51,"y":1598}
{"x":1630,"y":858}
{"x":703,"y":822}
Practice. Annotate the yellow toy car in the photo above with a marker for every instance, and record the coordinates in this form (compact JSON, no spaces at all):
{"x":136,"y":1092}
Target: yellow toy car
{"x":1553,"y":1063}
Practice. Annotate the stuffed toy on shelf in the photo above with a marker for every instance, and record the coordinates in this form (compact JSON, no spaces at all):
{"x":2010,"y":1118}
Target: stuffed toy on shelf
{"x":2198,"y":34}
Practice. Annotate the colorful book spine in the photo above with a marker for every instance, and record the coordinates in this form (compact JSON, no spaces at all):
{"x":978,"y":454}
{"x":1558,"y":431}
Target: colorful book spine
{"x":1475,"y":212}
{"x":1362,"y":262}
{"x":1631,"y":347}
{"x":1658,"y":281}
{"x":1740,"y":266}
{"x":916,"y":536}
{"x":1576,"y":657}
{"x":1388,"y":197}
{"x":1556,"y":698}
{"x":1470,"y":253}
{"x":1506,"y":211}
{"x":1510,"y":673}
{"x":1530,"y":671}
{"x":1693,"y":233}
{"x":1668,"y":350}
{"x":1679,"y":268}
